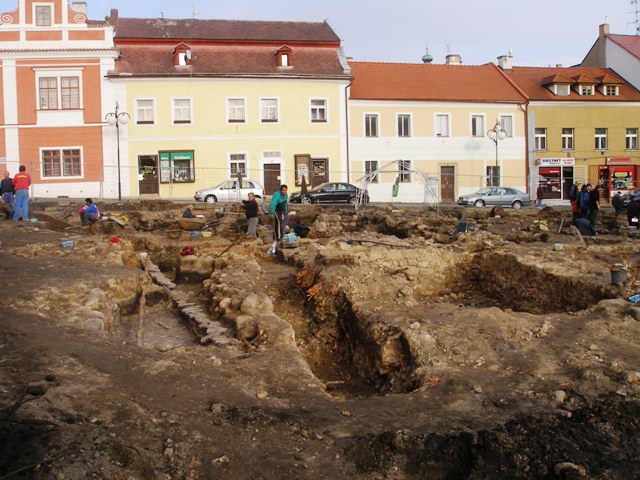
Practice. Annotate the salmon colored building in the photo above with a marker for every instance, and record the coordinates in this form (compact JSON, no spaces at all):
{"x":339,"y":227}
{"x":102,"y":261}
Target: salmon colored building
{"x":54,"y":64}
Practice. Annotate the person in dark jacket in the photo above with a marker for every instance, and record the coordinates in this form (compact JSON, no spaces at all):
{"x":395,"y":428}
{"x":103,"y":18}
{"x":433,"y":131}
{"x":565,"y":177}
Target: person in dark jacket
{"x":6,"y":192}
{"x":583,"y":201}
{"x":633,"y":213}
{"x":188,"y":212}
{"x":251,"y":211}
{"x":594,"y":205}
{"x":616,"y":203}
{"x":574,"y":193}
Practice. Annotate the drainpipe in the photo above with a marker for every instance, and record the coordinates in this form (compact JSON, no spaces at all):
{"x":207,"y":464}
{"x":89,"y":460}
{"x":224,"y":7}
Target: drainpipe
{"x":526,"y":145}
{"x":346,"y":119}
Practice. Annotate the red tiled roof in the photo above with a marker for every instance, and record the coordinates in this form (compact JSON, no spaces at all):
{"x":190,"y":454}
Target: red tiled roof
{"x":456,"y":83}
{"x":533,"y":81}
{"x":225,"y":30}
{"x":630,"y":43}
{"x":556,"y":78}
{"x":585,"y":79}
{"x":152,"y":59}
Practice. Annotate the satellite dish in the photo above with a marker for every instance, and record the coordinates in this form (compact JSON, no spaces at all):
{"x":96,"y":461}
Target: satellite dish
{"x":187,"y":55}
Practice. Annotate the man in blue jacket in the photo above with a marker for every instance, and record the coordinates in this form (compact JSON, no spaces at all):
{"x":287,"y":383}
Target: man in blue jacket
{"x":89,"y":213}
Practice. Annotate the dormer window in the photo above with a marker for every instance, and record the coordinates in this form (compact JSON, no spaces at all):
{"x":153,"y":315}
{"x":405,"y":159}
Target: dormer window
{"x":43,"y":15}
{"x":586,"y":90}
{"x":182,"y":55}
{"x":610,"y":90}
{"x":284,"y":57}
{"x":560,"y":90}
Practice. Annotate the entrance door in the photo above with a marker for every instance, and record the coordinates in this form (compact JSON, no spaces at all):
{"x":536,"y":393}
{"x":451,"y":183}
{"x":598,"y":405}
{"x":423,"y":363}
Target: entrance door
{"x":447,"y":184}
{"x":271,"y":178}
{"x":148,"y":171}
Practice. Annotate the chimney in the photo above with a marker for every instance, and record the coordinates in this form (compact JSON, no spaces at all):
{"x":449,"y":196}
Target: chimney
{"x":604,"y":29}
{"x":80,"y":7}
{"x":505,"y":62}
{"x":454,"y":59}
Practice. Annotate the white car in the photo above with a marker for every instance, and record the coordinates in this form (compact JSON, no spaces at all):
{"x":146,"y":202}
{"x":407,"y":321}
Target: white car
{"x":228,"y":191}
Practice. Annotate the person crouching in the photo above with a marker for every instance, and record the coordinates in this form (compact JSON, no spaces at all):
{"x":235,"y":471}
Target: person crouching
{"x":89,"y":213}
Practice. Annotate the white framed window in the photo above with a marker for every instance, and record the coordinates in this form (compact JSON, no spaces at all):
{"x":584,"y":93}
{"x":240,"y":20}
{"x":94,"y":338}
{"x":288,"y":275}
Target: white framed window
{"x":404,"y":171}
{"x":318,"y":110}
{"x":561,"y":90}
{"x":540,"y":139}
{"x":237,"y":164}
{"x":477,"y":126}
{"x":369,"y":167}
{"x":493,"y":176}
{"x":371,"y":125}
{"x":181,"y":111}
{"x":145,"y":111}
{"x":43,"y":14}
{"x":611,"y":90}
{"x":442,"y":125}
{"x":59,"y":89}
{"x":631,"y":139}
{"x":567,"y":138}
{"x":506,"y":123}
{"x":61,"y":162}
{"x":404,"y":125}
{"x":236,"y":110}
{"x":601,"y":139}
{"x":269,"y":110}
{"x":586,"y":90}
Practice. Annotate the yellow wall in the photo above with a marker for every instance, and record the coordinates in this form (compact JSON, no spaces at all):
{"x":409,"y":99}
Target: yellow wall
{"x":213,"y":139}
{"x":584,"y":120}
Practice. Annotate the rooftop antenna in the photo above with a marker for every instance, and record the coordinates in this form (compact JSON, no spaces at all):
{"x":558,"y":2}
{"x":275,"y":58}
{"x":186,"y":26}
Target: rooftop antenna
{"x":637,"y":20}
{"x":162,"y":15}
{"x":195,"y":11}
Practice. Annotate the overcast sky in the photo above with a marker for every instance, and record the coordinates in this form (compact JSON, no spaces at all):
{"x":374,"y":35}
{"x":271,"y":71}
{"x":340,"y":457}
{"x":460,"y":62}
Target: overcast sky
{"x":538,"y":32}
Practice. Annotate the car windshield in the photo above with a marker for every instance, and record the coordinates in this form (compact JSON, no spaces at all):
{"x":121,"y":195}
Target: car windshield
{"x":318,"y":187}
{"x":484,"y":190}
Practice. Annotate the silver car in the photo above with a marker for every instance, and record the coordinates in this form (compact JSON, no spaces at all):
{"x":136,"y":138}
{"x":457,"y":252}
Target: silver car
{"x":490,"y":196}
{"x":228,"y":191}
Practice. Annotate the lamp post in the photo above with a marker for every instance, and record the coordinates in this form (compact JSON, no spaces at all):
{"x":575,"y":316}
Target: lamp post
{"x":495,"y":134}
{"x":116,"y":119}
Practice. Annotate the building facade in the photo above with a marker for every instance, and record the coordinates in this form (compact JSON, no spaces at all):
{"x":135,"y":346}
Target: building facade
{"x":54,"y":66}
{"x":419,"y":131}
{"x":582,"y":126}
{"x":210,"y":99}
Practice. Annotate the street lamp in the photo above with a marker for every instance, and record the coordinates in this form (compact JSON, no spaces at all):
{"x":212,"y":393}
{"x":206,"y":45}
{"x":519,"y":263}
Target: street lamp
{"x":116,"y":119}
{"x":495,"y":134}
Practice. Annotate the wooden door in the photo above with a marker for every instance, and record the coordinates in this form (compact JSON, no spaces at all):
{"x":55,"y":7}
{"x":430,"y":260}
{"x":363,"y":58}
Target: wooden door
{"x":447,"y":184}
{"x":148,"y":175}
{"x":271,"y":178}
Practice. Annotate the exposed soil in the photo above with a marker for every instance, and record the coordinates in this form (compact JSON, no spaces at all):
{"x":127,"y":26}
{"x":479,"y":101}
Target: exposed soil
{"x":382,"y":346}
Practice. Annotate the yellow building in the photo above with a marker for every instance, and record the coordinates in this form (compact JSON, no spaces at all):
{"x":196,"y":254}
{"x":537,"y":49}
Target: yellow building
{"x":582,"y":127}
{"x":207,"y":100}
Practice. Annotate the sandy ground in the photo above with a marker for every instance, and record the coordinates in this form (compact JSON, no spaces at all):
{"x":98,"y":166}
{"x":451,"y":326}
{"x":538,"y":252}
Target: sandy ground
{"x":382,"y":346}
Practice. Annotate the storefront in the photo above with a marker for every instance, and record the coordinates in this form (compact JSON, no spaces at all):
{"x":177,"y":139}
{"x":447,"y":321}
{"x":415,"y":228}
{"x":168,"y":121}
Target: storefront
{"x":555,"y":176}
{"x":618,"y":175}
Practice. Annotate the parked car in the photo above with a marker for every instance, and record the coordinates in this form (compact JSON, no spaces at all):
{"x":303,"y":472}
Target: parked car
{"x":228,"y":191}
{"x":490,"y":196}
{"x":330,"y":192}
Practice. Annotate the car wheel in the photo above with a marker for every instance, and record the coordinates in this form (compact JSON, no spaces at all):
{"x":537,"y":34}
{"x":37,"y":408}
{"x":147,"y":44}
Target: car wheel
{"x":352,"y":201}
{"x":306,"y":200}
{"x":210,"y":199}
{"x":479,"y":203}
{"x":517,"y":205}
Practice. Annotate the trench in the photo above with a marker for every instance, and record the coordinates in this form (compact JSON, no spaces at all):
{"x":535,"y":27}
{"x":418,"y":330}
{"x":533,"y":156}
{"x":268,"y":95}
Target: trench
{"x":499,"y":280}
